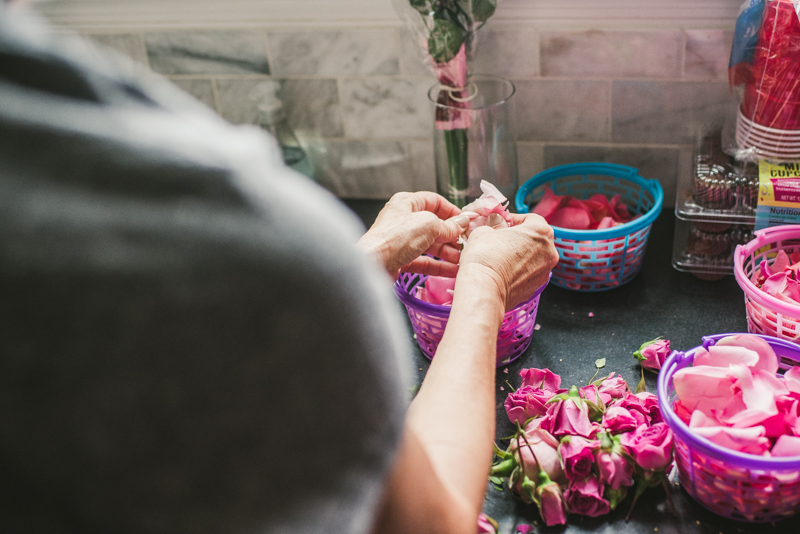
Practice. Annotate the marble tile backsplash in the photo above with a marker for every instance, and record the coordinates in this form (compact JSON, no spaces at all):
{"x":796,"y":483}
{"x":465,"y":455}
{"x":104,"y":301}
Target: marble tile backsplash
{"x":357,"y":97}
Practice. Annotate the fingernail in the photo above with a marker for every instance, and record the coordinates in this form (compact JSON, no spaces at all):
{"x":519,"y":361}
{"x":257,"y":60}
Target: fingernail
{"x":494,"y":219}
{"x":462,"y":220}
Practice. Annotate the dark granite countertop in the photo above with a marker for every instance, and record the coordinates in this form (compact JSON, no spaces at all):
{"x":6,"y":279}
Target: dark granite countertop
{"x":660,"y":301}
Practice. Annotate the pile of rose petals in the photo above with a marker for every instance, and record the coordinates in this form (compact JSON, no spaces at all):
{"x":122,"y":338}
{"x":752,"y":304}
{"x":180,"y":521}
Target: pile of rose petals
{"x":780,"y":279}
{"x":597,"y":213}
{"x":439,"y":290}
{"x":579,"y":450}
{"x":732,"y":397}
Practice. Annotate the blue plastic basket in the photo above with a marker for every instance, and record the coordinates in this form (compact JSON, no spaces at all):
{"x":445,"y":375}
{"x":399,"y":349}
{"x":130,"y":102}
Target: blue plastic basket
{"x":598,"y":260}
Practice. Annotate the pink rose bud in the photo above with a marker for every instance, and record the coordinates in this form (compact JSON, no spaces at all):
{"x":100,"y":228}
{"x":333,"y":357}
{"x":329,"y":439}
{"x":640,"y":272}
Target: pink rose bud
{"x":651,"y":447}
{"x":526,"y":403}
{"x":614,"y":469}
{"x":618,"y":419}
{"x":614,"y":386}
{"x":551,"y":504}
{"x":577,"y":454}
{"x":539,"y":453}
{"x":635,"y":407}
{"x":651,"y":355}
{"x":585,"y":497}
{"x":568,"y":417}
{"x":541,"y":378}
{"x":486,"y":525}
{"x":649,"y":403}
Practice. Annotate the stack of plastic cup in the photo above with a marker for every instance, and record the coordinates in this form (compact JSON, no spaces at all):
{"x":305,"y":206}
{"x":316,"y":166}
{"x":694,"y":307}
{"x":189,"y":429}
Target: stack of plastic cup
{"x":769,"y":117}
{"x":771,"y":95}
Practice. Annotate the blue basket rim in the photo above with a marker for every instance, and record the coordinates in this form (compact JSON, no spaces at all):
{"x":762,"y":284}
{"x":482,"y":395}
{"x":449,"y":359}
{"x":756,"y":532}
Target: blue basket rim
{"x":610,"y":169}
{"x":680,"y":359}
{"x":440,"y":310}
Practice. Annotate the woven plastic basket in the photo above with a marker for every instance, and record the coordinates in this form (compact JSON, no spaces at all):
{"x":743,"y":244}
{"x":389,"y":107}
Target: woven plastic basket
{"x":740,"y":486}
{"x":598,"y":260}
{"x":765,"y":313}
{"x":429,"y":320}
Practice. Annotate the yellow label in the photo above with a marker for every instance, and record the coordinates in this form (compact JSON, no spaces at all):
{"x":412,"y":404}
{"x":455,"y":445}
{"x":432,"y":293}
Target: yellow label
{"x":779,"y":184}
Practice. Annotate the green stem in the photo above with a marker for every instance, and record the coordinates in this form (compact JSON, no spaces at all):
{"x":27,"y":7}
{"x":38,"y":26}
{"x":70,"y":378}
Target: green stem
{"x":456,"y":144}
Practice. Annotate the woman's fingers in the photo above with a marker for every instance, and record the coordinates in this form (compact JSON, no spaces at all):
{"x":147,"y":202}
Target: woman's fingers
{"x":432,"y":267}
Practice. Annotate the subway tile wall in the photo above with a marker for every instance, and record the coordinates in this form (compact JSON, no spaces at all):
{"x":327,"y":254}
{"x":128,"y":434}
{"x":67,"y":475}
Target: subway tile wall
{"x":357,"y":98}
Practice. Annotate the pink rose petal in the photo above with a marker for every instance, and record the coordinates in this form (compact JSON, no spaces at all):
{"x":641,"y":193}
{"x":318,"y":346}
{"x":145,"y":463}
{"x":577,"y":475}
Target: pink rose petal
{"x":713,"y":385}
{"x":786,"y":446}
{"x":723,"y":356}
{"x":767,"y":360}
{"x":750,"y":440}
{"x":573,"y":218}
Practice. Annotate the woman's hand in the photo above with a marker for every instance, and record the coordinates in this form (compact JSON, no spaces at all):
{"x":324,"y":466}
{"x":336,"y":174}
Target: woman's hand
{"x":517,"y":260}
{"x":412,"y":224}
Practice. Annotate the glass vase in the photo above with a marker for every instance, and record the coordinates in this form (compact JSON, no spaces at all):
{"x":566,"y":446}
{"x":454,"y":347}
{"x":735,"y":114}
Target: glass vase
{"x":472,"y":138}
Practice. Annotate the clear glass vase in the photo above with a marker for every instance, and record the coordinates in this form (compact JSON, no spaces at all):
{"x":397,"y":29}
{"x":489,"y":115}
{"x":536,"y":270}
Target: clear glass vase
{"x":472,"y":138}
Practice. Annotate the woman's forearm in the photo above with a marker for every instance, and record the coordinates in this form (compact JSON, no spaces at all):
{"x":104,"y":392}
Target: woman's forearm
{"x":453,"y":414}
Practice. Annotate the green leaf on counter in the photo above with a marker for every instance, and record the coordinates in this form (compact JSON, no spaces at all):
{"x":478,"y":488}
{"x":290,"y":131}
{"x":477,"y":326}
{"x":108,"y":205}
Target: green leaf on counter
{"x":445,"y":40}
{"x":600,"y":363}
{"x":496,"y":480}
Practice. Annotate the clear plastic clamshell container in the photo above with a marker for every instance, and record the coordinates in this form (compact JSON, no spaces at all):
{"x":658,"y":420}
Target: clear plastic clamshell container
{"x":714,"y":210}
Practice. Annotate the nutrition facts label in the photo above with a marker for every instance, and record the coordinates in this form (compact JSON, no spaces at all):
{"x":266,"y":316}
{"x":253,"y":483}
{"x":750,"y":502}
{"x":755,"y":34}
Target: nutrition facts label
{"x":778,"y":194}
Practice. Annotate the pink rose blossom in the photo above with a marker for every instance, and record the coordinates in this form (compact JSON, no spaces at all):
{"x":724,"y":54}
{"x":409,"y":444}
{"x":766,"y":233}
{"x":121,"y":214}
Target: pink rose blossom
{"x":551,"y":504}
{"x":649,"y":403}
{"x":614,"y":386}
{"x":592,"y":394}
{"x":585,"y":497}
{"x":618,"y":419}
{"x":577,"y":454}
{"x":526,"y":403}
{"x":568,"y":417}
{"x":614,"y":469}
{"x":541,"y":378}
{"x":541,"y":447}
{"x":486,"y":525}
{"x":635,"y":408}
{"x":651,"y":355}
{"x":651,"y":447}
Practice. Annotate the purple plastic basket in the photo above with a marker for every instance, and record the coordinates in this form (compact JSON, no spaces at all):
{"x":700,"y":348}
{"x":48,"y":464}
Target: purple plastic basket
{"x":740,"y":486}
{"x":429,"y":320}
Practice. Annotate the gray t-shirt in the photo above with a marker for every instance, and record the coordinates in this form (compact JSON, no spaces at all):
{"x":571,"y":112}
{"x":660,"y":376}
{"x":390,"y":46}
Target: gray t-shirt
{"x":189,"y":341}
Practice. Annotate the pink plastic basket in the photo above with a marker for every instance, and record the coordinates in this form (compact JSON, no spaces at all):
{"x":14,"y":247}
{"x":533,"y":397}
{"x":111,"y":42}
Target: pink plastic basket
{"x":765,"y":313}
{"x":741,"y":486}
{"x":429,"y":320}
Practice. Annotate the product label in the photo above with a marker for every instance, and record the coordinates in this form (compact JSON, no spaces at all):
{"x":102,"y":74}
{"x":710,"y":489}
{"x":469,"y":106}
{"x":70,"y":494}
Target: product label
{"x":778,"y":194}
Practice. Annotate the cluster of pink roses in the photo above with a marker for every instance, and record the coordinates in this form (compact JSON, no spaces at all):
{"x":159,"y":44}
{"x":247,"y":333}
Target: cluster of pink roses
{"x":579,"y":450}
{"x":780,"y":279}
{"x":732,"y":397}
{"x":596,"y":213}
